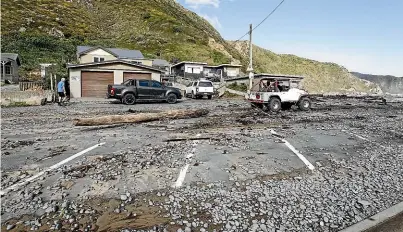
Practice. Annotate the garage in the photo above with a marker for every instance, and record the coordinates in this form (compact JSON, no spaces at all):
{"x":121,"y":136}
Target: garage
{"x":95,"y":84}
{"x":131,"y":75}
{"x":92,"y":79}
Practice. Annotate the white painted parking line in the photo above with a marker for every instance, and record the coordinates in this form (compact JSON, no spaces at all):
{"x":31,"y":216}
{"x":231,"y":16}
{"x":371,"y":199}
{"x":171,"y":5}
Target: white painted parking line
{"x":358,"y":136}
{"x":181,"y":177}
{"x":363,"y":138}
{"x":2,"y":192}
{"x":182,"y":173}
{"x":295,"y":151}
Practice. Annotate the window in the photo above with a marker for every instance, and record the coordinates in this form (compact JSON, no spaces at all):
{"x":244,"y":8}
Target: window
{"x":156,"y":84}
{"x":99,"y":59}
{"x":128,"y":82}
{"x":143,"y":83}
{"x":8,"y":69}
{"x":193,"y":70}
{"x":205,"y":84}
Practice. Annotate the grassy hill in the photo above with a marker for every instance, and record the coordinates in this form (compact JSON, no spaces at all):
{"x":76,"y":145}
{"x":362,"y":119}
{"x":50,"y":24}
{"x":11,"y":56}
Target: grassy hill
{"x":48,"y":31}
{"x":44,"y":31}
{"x":319,"y":76}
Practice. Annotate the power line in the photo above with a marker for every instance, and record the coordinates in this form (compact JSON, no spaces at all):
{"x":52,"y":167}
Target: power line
{"x":274,"y":10}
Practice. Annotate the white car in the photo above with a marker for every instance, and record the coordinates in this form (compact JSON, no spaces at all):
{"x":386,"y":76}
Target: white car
{"x":199,"y":89}
{"x":279,"y":93}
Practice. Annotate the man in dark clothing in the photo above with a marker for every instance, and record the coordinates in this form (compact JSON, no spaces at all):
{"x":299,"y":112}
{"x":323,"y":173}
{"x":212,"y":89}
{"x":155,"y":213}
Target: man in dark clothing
{"x":67,"y":89}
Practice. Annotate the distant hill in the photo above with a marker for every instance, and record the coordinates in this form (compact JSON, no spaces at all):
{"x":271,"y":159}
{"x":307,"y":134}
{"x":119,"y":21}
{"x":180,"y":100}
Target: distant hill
{"x":48,"y":31}
{"x":320,"y":76}
{"x":388,"y":83}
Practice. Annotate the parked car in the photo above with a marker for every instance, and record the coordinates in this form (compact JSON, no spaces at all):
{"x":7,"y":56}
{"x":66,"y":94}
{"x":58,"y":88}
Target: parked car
{"x":199,"y":89}
{"x":133,"y":90}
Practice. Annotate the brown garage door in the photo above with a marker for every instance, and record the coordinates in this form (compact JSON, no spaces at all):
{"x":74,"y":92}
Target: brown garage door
{"x":128,"y":75}
{"x":95,"y":84}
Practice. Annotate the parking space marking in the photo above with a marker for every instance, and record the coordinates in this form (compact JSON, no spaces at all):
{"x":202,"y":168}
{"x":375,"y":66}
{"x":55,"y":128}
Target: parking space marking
{"x":2,"y":192}
{"x":295,"y":151}
{"x":363,"y":138}
{"x":183,"y":171}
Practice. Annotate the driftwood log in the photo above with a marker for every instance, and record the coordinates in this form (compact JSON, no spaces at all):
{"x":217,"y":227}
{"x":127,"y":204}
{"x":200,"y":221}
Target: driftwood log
{"x":141,"y":117}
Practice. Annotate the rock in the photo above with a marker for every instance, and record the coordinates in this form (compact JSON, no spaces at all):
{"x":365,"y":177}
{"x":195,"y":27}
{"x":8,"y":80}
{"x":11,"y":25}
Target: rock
{"x":187,"y":229}
{"x":10,"y":227}
{"x":123,"y":197}
{"x":117,"y":210}
{"x":22,"y":29}
{"x":262,"y":199}
{"x":363,"y":202}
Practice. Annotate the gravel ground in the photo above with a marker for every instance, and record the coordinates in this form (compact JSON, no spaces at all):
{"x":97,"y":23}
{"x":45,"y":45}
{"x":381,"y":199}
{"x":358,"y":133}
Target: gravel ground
{"x":241,"y":179}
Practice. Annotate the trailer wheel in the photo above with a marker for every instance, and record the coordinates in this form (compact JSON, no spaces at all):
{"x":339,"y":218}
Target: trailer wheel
{"x":304,"y":104}
{"x":274,"y":104}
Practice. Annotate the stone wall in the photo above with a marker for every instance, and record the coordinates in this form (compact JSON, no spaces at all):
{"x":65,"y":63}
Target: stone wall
{"x":25,"y":97}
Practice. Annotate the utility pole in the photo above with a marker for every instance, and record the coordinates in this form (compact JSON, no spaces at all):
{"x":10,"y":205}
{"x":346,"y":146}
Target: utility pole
{"x":250,"y":68}
{"x":3,"y":69}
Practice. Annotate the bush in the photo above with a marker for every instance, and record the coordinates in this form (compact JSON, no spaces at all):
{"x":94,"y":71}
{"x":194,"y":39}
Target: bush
{"x":238,"y":87}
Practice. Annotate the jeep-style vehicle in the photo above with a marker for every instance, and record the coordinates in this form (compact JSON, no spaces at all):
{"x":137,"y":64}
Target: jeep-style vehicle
{"x":276,"y":93}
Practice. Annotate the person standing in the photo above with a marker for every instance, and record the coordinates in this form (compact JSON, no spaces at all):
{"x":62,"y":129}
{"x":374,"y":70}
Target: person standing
{"x":67,"y":89}
{"x":61,"y":90}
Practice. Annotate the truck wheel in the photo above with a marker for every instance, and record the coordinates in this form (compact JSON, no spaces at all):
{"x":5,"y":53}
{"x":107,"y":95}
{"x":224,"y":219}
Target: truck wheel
{"x":304,"y":104}
{"x":129,"y":99}
{"x":274,"y":104}
{"x":286,"y":105}
{"x":171,"y":98}
{"x":209,"y":97}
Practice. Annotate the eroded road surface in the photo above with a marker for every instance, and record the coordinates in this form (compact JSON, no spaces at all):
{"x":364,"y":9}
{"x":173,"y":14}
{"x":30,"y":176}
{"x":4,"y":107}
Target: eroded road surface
{"x":321,"y":170}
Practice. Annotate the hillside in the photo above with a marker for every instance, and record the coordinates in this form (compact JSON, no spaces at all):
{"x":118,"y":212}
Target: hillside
{"x":44,"y":31}
{"x":388,"y":83}
{"x":320,"y":76}
{"x":48,"y":31}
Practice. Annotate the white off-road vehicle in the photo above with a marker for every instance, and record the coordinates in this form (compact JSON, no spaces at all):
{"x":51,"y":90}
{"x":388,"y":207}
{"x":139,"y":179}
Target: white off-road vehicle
{"x":276,"y":93}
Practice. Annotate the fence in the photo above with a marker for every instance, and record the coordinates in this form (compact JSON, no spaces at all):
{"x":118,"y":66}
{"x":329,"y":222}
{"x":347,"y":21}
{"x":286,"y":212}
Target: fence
{"x":31,"y":85}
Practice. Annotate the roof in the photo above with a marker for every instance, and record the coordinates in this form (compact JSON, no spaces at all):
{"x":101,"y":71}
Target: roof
{"x":10,"y":56}
{"x":160,"y":62}
{"x":113,"y":62}
{"x":223,"y":65}
{"x":118,"y":52}
{"x":189,"y":62}
{"x":278,"y":75}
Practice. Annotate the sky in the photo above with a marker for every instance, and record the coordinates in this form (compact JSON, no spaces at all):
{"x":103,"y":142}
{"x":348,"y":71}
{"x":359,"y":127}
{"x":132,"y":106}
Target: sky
{"x":362,"y":35}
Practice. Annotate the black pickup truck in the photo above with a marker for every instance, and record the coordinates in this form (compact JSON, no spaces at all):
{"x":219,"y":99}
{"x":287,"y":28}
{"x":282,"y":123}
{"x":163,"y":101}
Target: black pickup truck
{"x":133,"y":90}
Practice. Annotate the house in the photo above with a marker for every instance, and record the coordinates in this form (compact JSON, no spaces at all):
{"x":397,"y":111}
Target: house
{"x":10,"y":64}
{"x":91,"y":79}
{"x":188,"y":69}
{"x":163,"y":65}
{"x":223,"y":70}
{"x":87,"y":54}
